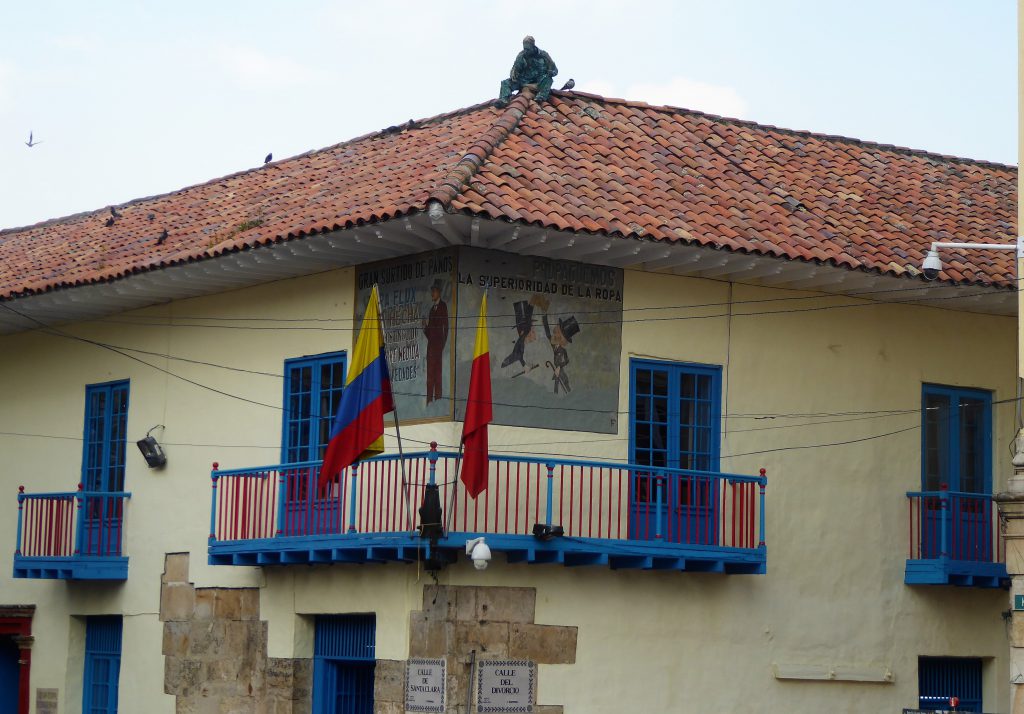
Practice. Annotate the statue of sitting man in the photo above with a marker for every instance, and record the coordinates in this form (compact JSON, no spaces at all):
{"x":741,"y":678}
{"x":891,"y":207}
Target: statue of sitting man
{"x":532,"y":66}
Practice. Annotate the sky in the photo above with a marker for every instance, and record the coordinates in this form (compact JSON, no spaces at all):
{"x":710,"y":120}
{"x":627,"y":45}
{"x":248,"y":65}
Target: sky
{"x":132,"y":99}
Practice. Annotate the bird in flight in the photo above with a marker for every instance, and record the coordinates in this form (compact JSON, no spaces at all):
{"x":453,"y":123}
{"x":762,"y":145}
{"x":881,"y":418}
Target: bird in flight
{"x":31,"y":142}
{"x":270,"y":157}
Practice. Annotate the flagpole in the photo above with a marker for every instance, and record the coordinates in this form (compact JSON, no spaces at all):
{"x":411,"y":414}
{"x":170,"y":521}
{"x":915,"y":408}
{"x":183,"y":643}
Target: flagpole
{"x":455,"y":485}
{"x":394,"y":413}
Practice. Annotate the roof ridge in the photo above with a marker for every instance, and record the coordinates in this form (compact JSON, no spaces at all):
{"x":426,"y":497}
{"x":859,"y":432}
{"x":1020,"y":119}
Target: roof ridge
{"x":451,"y":185}
{"x":410,"y":124}
{"x":667,"y":108}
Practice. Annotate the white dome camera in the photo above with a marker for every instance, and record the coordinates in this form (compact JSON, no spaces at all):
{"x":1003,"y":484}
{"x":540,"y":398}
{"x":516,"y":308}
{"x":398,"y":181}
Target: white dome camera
{"x":932,"y":265}
{"x":479,"y":553}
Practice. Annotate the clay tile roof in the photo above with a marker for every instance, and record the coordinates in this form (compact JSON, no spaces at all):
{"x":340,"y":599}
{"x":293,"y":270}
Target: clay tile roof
{"x":580,"y":163}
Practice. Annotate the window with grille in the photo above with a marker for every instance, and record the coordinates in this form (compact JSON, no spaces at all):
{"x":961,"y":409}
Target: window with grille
{"x":344,"y":659}
{"x":312,"y":393}
{"x":102,"y":665}
{"x":940,"y":678}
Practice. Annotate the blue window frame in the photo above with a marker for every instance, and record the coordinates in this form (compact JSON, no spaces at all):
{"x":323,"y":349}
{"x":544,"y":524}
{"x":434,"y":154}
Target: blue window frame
{"x":312,"y":393}
{"x":675,"y":422}
{"x":956,"y":459}
{"x":939,"y":678}
{"x":106,"y":427}
{"x":344,"y":659}
{"x":956,"y":440}
{"x":102,"y":664}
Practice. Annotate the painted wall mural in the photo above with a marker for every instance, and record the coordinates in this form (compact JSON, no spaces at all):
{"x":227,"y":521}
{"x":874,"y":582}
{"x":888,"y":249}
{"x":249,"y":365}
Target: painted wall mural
{"x":555,"y":332}
{"x":418,"y":310}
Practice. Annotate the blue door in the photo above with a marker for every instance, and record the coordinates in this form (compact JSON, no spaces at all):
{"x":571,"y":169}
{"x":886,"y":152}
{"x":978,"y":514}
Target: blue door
{"x":312,"y":393}
{"x":343,"y":664}
{"x":9,"y":671}
{"x":957,"y":459}
{"x":102,"y":665}
{"x":674,"y":423}
{"x":103,"y":465}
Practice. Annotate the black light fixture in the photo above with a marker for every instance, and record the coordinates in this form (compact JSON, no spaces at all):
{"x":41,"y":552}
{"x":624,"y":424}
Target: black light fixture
{"x":545,"y":531}
{"x":151,"y":451}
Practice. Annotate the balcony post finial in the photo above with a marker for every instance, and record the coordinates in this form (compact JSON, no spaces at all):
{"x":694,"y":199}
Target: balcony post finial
{"x":432,"y":458}
{"x":761,"y":484}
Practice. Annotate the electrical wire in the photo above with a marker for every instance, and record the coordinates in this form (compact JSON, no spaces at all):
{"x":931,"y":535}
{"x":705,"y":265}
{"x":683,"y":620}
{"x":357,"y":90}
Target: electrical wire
{"x":457,"y":400}
{"x":60,"y":333}
{"x":589,"y":323}
{"x":474,"y":318}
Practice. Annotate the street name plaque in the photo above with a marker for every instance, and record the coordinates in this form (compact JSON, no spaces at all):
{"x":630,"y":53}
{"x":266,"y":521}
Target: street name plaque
{"x":505,"y":686}
{"x":425,"y":685}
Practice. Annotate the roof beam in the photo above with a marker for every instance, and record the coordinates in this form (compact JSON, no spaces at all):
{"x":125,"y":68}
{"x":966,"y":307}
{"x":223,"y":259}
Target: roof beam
{"x":510,"y":237}
{"x":474,"y":233}
{"x":673,"y":258}
{"x":428,"y":234}
{"x":729,"y":267}
{"x":822,"y":277}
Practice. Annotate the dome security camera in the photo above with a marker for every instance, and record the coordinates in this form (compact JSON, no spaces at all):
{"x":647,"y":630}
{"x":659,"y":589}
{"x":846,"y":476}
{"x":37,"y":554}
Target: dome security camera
{"x":932,"y":265}
{"x":479,"y":553}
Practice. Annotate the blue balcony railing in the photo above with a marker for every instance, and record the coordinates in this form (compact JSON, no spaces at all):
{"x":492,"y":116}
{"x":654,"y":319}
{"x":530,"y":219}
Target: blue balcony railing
{"x":621,"y":515}
{"x":75,"y":535}
{"x":954,"y":540}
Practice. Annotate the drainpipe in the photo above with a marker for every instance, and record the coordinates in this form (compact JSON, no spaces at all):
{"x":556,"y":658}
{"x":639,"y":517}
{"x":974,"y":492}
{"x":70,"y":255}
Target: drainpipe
{"x":1011,"y":502}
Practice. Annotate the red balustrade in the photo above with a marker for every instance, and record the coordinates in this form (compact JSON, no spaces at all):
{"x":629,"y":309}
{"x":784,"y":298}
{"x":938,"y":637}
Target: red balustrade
{"x":62,"y":525}
{"x":954,"y":525}
{"x":588,"y":499}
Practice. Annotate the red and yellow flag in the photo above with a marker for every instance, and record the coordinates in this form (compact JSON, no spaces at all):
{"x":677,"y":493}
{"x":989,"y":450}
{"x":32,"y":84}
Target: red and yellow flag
{"x":478,"y":412}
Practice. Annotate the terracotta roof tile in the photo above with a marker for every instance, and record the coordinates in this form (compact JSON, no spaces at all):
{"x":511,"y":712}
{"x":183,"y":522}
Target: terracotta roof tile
{"x":580,"y":162}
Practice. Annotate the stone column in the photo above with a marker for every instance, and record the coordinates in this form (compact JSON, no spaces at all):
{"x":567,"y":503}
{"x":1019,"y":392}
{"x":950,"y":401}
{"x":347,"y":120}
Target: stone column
{"x":1011,"y":526}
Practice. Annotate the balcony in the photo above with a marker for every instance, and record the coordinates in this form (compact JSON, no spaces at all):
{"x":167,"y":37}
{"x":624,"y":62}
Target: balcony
{"x":610,"y":514}
{"x":954,"y":540}
{"x":76,"y":535}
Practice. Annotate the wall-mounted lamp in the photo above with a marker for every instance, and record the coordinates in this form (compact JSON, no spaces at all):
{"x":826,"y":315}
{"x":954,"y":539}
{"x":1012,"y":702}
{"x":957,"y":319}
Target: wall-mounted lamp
{"x":151,"y":451}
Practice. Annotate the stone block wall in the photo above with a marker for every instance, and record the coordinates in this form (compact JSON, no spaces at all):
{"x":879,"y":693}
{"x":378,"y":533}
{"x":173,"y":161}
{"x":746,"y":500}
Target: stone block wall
{"x":457,"y":621}
{"x":215,"y":651}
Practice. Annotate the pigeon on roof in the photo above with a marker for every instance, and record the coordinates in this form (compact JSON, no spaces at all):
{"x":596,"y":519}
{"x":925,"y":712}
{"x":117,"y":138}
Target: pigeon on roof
{"x":270,"y":157}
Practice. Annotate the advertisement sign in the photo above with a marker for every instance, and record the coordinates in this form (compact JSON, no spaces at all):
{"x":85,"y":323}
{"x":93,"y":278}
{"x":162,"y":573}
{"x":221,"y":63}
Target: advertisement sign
{"x":554,"y":328}
{"x":555,"y":333}
{"x":418,"y":309}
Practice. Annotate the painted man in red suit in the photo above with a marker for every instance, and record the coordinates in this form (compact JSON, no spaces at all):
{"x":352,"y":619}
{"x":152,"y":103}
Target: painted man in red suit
{"x":435,"y":327}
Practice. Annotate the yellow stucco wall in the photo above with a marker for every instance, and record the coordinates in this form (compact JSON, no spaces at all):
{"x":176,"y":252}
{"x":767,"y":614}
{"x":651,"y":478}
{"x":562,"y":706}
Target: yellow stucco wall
{"x":833,"y":597}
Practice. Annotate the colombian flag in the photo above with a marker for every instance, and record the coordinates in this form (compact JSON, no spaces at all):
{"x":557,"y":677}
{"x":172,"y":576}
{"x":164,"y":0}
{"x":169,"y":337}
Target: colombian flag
{"x":478,"y":412}
{"x":358,"y":430}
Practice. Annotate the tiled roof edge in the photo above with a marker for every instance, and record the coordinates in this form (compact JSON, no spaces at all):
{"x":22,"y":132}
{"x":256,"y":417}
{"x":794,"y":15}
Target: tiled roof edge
{"x":451,"y":185}
{"x":668,"y":109}
{"x":412,"y":123}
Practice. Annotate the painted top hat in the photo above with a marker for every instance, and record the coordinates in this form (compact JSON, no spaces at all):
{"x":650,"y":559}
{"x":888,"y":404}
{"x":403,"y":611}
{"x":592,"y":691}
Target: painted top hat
{"x":524,"y":316}
{"x":438,"y":285}
{"x":569,"y":327}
